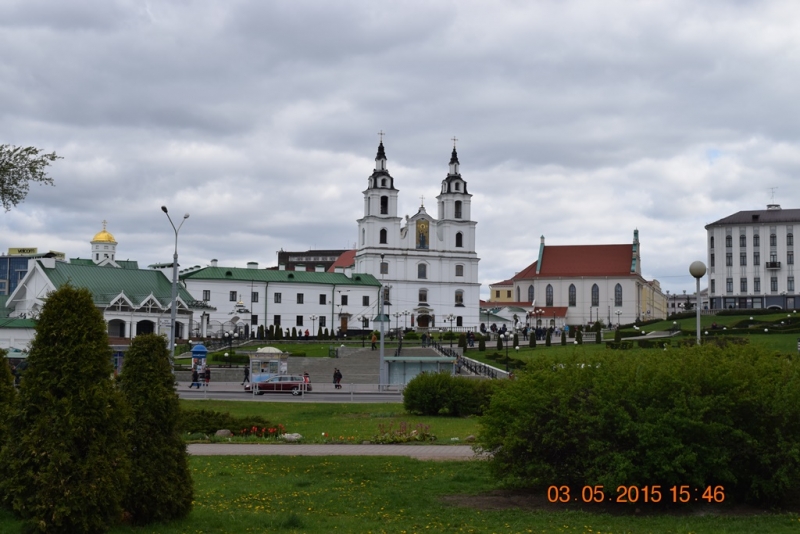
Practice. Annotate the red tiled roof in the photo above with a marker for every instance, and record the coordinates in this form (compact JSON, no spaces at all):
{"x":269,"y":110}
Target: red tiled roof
{"x":508,"y":282}
{"x":347,"y":259}
{"x":582,"y":260}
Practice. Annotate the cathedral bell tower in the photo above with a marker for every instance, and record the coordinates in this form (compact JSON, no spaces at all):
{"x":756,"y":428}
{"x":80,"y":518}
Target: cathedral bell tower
{"x":454,"y":200}
{"x":380,"y":226}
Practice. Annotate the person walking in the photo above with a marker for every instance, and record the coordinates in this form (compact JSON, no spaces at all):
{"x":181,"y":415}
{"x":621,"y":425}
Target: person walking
{"x":246,"y":375}
{"x":337,"y":378}
{"x":208,"y":375}
{"x":374,"y":340}
{"x":195,"y":379}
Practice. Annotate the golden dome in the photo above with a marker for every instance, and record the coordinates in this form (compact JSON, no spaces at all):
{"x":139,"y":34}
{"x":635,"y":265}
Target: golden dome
{"x":103,"y":236}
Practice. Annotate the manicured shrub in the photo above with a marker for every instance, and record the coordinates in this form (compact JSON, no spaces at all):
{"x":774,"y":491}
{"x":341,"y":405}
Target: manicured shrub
{"x":515,"y":340}
{"x":598,"y":337}
{"x":409,"y":336}
{"x":481,"y":343}
{"x":294,"y":333}
{"x":66,"y":463}
{"x":563,"y":337}
{"x":579,"y":337}
{"x":532,"y":339}
{"x":327,"y":334}
{"x":617,"y":335}
{"x":499,"y":342}
{"x":160,"y":482}
{"x":462,"y":341}
{"x":698,"y":416}
{"x":319,"y":333}
{"x":547,"y":339}
{"x":443,"y":394}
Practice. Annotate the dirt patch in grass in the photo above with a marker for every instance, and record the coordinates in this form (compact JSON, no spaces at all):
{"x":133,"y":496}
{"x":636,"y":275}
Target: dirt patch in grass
{"x":498,"y":500}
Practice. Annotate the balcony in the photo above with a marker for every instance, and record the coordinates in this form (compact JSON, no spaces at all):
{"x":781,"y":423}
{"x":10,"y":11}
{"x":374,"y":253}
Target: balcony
{"x":773,"y":265}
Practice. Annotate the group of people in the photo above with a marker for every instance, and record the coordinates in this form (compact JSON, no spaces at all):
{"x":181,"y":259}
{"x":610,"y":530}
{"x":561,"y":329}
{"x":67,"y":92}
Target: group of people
{"x":200,"y":375}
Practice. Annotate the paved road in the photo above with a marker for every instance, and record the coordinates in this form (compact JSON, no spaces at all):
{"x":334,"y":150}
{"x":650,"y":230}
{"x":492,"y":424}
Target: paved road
{"x":420,"y":452}
{"x":234,"y":391}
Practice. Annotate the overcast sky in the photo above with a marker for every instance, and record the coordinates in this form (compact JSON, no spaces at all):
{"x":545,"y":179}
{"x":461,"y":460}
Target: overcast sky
{"x":577,"y":120}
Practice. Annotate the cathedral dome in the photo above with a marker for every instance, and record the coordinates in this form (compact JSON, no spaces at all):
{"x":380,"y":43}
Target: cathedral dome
{"x":104,"y":236}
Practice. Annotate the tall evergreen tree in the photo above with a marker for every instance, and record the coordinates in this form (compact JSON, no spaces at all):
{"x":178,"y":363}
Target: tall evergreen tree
{"x":65,"y":467}
{"x":7,"y":395}
{"x":161,"y":484}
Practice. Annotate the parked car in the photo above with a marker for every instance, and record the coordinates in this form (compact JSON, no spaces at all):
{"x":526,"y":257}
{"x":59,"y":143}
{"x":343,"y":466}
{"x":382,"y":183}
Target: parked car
{"x":295,"y":384}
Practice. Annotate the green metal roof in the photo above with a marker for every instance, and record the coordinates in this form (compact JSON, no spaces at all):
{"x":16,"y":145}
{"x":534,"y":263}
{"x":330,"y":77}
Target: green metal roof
{"x":487,"y":316}
{"x":17,"y":323}
{"x":107,"y":283}
{"x":123,"y":264}
{"x":270,"y":275}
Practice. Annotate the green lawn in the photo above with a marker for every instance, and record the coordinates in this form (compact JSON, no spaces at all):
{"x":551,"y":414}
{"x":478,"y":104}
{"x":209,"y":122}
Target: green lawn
{"x":346,"y":422}
{"x":381,"y":494}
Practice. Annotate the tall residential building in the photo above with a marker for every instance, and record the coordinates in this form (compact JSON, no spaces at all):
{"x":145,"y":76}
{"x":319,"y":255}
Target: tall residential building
{"x":751,"y":259}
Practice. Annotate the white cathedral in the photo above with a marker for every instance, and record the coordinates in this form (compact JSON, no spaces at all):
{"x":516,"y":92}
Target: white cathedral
{"x":428,"y":266}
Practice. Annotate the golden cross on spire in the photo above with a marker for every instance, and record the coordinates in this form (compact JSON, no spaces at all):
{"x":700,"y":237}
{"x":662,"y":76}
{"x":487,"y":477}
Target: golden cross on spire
{"x":381,"y":134}
{"x":454,"y":139}
{"x":422,"y":200}
{"x":104,"y":224}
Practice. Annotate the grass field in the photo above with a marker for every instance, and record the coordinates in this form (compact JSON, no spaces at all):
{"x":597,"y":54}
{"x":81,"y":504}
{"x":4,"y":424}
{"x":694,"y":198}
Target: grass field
{"x":355,"y":495}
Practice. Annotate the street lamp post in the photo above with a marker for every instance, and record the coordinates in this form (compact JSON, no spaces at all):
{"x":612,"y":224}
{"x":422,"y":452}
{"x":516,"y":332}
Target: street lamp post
{"x":506,"y":340}
{"x":406,"y":313}
{"x":698,"y":270}
{"x":313,"y":325}
{"x":618,"y":313}
{"x":450,"y":318}
{"x":174,"y":310}
{"x":397,"y":323}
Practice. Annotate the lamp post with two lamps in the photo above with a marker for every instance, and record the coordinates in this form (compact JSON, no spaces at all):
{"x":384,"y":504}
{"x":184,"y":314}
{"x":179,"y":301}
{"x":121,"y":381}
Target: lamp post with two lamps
{"x":450,"y":318}
{"x":313,"y":325}
{"x":174,"y":309}
{"x":618,"y":313}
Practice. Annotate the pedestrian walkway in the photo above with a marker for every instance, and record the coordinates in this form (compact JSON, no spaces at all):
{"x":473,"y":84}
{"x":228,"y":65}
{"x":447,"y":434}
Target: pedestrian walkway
{"x":420,"y":452}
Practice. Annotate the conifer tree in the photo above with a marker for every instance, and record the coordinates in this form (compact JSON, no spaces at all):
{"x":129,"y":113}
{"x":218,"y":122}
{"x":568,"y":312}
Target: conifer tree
{"x":7,"y":395}
{"x":319,"y":333}
{"x":563,"y":337}
{"x":160,"y":484}
{"x":65,"y":466}
{"x":499,"y":342}
{"x":548,"y":339}
{"x":481,"y":343}
{"x":532,"y":339}
{"x":515,"y":340}
{"x":294,"y":333}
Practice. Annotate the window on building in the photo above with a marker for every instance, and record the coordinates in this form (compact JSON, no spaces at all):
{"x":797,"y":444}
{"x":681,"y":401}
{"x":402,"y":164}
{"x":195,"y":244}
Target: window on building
{"x":365,"y":322}
{"x":276,"y":320}
{"x":756,"y":258}
{"x":365,"y":300}
{"x":232,"y":296}
{"x":790,"y":258}
{"x":728,"y":241}
{"x":254,"y":320}
{"x":742,"y":241}
{"x":206,"y":295}
{"x":323,"y":299}
{"x":713,"y":286}
{"x":277,"y":298}
{"x":422,"y":271}
{"x":384,"y":203}
{"x":459,"y":321}
{"x":459,"y":239}
{"x":773,"y":240}
{"x":508,"y":294}
{"x":789,"y":240}
{"x":756,"y":240}
{"x":497,"y":294}
{"x":595,"y":295}
{"x":254,"y":296}
{"x":458,"y":209}
{"x":756,"y":285}
{"x":383,"y":236}
{"x":423,"y":296}
{"x":790,"y":284}
{"x":322,"y":323}
{"x":773,"y":284}
{"x":299,"y":320}
{"x":344,"y":300}
{"x":530,"y":293}
{"x":773,"y":258}
{"x":459,"y":270}
{"x":729,"y":285}
{"x":387,"y":295}
{"x":384,"y":267}
{"x":743,"y":285}
{"x":712,"y":242}
{"x":548,"y":295}
{"x":459,"y":298}
{"x":300,"y":298}
{"x":743,"y":259}
{"x":712,"y":259}
{"x":729,"y":259}
{"x":618,"y":295}
{"x":573,"y":295}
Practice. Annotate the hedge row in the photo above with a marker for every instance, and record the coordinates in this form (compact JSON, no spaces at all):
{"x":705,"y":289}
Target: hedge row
{"x":444,"y":394}
{"x":696,"y":415}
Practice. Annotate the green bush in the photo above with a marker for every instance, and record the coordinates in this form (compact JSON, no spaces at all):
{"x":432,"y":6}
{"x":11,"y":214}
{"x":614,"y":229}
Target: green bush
{"x":547,"y":339}
{"x":447,"y":336}
{"x":7,"y":396}
{"x":499,"y":342}
{"x":444,"y":394}
{"x":219,"y":357}
{"x":411,"y":336}
{"x":563,"y":338}
{"x":579,"y":337}
{"x":160,"y":482}
{"x":695,"y":416}
{"x":462,"y":341}
{"x":66,"y":464}
{"x":481,"y":343}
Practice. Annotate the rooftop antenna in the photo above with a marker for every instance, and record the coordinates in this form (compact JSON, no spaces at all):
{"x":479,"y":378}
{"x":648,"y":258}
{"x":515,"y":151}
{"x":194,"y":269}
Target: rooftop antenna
{"x":772,"y":194}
